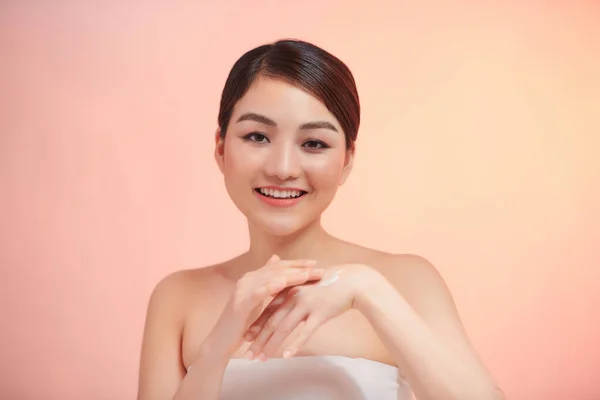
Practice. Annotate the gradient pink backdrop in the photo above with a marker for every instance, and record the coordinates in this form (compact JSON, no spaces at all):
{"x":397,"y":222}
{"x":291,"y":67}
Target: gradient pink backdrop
{"x":478,"y":150}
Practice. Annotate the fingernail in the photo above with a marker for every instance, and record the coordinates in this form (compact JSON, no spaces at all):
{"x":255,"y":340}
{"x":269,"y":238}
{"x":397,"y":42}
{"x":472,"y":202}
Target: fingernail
{"x":249,"y":355}
{"x":287,"y":354}
{"x":263,"y":357}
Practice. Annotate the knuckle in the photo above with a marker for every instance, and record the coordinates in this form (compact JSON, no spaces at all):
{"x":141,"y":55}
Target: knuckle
{"x":270,"y":325}
{"x":285,"y":330}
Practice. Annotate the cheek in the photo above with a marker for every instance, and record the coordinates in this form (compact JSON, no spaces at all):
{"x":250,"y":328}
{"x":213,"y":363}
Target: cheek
{"x":239,"y":162}
{"x":324,"y":171}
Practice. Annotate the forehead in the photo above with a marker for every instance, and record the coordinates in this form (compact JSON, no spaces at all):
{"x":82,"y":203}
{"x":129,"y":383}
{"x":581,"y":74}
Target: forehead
{"x":282,"y":101}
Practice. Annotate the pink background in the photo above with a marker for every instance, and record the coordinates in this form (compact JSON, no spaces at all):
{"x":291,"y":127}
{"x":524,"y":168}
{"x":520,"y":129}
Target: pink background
{"x":478,"y":149}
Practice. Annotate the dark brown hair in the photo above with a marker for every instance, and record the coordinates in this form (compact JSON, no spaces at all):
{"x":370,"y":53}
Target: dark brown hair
{"x":302,"y":64}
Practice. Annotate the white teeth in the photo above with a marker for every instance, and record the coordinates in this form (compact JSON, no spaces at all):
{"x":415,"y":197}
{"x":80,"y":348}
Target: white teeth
{"x":281,"y":194}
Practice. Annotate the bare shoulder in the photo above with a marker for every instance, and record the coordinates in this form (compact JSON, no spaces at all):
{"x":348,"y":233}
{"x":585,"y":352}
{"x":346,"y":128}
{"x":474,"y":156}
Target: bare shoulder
{"x":161,"y":366}
{"x":413,"y":275}
{"x":180,"y":283}
{"x":176,"y":288}
{"x":418,"y":281}
{"x":189,"y":292}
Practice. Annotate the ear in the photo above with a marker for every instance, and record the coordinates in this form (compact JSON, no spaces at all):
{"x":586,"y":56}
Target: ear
{"x":348,"y":165}
{"x":219,"y":149}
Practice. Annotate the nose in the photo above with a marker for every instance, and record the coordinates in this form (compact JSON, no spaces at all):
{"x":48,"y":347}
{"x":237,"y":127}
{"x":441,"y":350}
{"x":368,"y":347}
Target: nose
{"x":283,"y":161}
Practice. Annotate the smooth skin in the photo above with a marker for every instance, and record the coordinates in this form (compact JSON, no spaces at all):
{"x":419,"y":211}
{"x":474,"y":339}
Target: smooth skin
{"x":389,"y":308}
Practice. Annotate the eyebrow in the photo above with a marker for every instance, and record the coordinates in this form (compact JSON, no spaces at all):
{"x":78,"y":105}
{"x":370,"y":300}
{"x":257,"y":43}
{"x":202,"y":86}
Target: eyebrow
{"x":250,"y":116}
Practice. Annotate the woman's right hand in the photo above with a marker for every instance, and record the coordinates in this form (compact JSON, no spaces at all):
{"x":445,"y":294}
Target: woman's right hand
{"x":252,"y":293}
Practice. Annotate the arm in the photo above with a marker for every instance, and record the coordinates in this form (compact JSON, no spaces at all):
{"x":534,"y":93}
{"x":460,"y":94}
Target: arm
{"x":162,"y":375}
{"x":204,"y":378}
{"x":425,"y":337}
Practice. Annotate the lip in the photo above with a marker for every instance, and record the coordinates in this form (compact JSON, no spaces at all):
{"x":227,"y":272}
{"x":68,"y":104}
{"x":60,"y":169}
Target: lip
{"x":280,"y":188}
{"x":287,"y":202}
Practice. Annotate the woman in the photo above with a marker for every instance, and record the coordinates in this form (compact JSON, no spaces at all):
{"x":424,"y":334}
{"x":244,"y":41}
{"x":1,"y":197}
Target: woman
{"x":301,"y":314}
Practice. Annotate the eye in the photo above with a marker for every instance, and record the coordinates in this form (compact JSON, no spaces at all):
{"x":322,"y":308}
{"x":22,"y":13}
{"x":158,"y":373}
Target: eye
{"x":256,"y":137}
{"x":315,"y":145}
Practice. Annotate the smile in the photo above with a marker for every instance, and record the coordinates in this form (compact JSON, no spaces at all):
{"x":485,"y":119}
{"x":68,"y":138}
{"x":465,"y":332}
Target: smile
{"x":281,"y":193}
{"x":280,"y":197}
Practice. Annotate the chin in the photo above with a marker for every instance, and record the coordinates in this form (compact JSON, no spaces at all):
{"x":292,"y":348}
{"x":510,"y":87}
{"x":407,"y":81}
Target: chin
{"x":279,"y":226}
{"x":279,"y":229}
{"x":279,"y":222}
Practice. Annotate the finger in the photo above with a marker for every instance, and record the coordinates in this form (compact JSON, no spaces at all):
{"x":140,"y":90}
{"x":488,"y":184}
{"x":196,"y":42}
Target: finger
{"x":298,"y":277}
{"x":256,"y":326}
{"x":285,"y":328}
{"x":276,"y":273}
{"x":274,"y":285}
{"x":278,"y":283}
{"x":309,"y":328}
{"x":315,"y":274}
{"x":269,"y":326}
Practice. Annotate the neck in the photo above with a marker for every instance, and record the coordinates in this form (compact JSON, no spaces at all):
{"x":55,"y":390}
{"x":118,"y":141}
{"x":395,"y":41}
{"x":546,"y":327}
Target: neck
{"x":306,"y":243}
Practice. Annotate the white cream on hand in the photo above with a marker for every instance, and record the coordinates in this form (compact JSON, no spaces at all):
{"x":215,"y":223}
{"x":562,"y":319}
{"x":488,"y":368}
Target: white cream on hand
{"x":331,"y":280}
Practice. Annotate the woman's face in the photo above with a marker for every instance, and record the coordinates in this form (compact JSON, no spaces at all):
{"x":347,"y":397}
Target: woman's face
{"x":283,"y":157}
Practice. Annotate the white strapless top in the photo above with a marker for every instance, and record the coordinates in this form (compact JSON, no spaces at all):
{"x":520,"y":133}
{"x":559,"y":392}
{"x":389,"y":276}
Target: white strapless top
{"x":312,"y":378}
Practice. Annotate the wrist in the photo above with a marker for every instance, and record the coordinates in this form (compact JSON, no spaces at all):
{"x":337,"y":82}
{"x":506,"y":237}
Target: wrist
{"x":210,"y":352}
{"x":368,"y":285}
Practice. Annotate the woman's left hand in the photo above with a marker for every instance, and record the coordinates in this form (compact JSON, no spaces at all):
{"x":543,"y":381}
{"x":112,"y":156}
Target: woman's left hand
{"x":309,"y":305}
